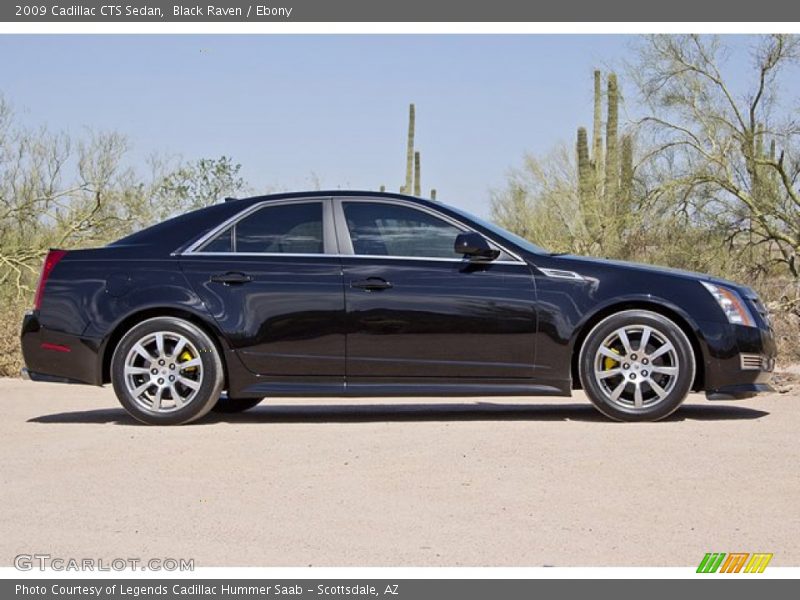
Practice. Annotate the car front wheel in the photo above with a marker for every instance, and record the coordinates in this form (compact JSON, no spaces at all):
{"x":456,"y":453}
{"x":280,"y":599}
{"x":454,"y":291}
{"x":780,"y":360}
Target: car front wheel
{"x":167,"y":371}
{"x":637,"y":365}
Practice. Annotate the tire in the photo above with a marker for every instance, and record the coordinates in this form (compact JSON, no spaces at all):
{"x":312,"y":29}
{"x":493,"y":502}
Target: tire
{"x":627,"y":384}
{"x":226,"y":405}
{"x":173,"y":365}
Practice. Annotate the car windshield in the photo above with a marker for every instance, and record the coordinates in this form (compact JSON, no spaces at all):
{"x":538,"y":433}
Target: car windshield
{"x":500,"y":232}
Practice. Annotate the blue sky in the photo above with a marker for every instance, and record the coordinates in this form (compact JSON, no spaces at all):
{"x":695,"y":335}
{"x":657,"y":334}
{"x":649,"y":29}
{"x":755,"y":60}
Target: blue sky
{"x":289,"y":106}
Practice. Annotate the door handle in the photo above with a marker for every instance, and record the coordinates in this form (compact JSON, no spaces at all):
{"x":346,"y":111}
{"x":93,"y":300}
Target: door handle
{"x":371,"y":284}
{"x":231,"y":278}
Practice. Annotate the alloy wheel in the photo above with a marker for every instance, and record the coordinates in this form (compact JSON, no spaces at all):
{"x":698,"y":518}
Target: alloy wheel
{"x":163,"y":371}
{"x":636,"y":367}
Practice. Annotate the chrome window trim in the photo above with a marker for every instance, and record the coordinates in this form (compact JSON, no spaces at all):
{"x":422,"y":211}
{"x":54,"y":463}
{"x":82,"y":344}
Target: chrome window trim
{"x":434,"y":259}
{"x":346,"y":243}
{"x":335,"y":229}
{"x":370,"y":256}
{"x":270,"y":254}
{"x":329,"y":241}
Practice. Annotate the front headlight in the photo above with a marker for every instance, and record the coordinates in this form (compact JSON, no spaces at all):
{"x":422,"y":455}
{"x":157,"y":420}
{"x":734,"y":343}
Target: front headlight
{"x":731,"y":303}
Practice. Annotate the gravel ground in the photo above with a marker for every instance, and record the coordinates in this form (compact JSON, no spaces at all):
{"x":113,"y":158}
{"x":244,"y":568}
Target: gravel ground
{"x":423,"y":482}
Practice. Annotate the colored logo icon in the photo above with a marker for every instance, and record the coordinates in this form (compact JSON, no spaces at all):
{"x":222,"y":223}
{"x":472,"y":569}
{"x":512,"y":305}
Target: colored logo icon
{"x":734,"y":562}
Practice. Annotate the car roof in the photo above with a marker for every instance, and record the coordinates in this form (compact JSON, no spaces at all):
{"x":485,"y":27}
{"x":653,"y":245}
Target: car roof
{"x":328,"y":194}
{"x":182,"y":228}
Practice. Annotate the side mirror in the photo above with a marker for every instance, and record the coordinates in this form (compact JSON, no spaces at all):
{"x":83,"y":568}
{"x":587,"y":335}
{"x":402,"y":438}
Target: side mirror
{"x":474,"y":245}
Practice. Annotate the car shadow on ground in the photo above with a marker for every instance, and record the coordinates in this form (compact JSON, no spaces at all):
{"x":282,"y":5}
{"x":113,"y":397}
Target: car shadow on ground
{"x":370,"y":413}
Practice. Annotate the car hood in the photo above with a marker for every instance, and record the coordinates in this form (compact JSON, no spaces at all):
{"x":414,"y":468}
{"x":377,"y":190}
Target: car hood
{"x":585,"y":263}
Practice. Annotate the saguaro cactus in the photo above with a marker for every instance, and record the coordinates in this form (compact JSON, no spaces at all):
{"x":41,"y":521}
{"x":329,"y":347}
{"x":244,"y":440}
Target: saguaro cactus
{"x":597,"y":134}
{"x":410,"y":149}
{"x":433,"y":194}
{"x":413,"y":183}
{"x":417,"y":185}
{"x":626,"y":172}
{"x":585,"y":180}
{"x":611,"y":188}
{"x":586,"y":187}
{"x":605,"y":183}
{"x":763,"y":179}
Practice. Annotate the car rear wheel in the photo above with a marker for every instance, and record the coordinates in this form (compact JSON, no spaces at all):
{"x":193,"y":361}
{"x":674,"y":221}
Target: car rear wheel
{"x":637,"y":365}
{"x":167,"y":371}
{"x":228,"y":405}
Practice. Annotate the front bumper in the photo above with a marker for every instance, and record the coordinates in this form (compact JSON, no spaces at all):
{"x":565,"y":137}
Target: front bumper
{"x":739,"y":360}
{"x":739,"y":391}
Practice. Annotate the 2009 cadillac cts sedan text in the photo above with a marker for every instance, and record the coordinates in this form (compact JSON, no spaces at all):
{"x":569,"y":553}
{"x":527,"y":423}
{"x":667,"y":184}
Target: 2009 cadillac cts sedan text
{"x":368,"y":294}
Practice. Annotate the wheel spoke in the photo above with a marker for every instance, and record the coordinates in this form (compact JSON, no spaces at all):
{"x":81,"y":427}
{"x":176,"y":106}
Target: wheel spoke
{"x":141,"y":389}
{"x":160,"y":344}
{"x":660,"y":392}
{"x":157,"y":398}
{"x":618,"y":390}
{"x":644,"y":340}
{"x":142,"y":351}
{"x":190,"y":383}
{"x":626,"y":343}
{"x":130,"y":370}
{"x":195,"y":362}
{"x":665,"y":370}
{"x":666,"y":347}
{"x":609,"y":353}
{"x":179,"y":346}
{"x":175,"y":395}
{"x":637,"y":395}
{"x":608,"y":373}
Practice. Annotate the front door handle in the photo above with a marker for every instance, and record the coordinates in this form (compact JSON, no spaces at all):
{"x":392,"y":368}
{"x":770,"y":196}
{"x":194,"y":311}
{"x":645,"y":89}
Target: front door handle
{"x":231,"y":278}
{"x":371,"y":284}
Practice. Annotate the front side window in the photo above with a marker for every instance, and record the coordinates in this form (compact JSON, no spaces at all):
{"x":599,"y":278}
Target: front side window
{"x":283,"y":229}
{"x":381,"y":229}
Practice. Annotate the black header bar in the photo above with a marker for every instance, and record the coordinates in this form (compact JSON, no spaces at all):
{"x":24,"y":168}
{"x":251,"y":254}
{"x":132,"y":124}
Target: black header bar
{"x":572,"y":11}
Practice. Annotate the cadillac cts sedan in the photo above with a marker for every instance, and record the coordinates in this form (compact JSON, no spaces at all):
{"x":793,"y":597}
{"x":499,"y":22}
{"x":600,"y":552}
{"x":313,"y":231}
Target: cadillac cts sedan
{"x":364,"y":294}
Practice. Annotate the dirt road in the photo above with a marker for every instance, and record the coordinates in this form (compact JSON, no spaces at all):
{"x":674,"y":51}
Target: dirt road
{"x":501,"y":482}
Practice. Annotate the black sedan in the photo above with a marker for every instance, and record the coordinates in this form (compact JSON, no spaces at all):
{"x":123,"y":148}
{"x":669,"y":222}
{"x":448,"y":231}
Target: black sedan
{"x":355,"y":294}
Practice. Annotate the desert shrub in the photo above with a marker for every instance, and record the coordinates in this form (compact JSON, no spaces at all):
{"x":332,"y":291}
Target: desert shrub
{"x":11,"y":312}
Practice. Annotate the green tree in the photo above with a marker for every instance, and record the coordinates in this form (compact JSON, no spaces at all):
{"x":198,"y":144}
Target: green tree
{"x":711,"y":140}
{"x":199,"y":183}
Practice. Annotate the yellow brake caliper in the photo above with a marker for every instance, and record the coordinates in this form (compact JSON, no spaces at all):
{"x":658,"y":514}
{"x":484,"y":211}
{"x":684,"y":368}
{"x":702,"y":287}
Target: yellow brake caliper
{"x":609,"y":363}
{"x":185,"y":357}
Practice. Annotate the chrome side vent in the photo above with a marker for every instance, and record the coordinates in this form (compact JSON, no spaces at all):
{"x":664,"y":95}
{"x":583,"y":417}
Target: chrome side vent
{"x":751,"y":362}
{"x":561,"y":274}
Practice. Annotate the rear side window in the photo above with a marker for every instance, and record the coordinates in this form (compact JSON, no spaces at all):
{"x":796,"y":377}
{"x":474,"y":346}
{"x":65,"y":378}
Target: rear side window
{"x":283,"y":229}
{"x":382,"y":229}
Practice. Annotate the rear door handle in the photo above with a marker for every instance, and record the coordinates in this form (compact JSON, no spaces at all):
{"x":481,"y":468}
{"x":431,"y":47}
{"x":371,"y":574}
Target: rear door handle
{"x":371,"y":284}
{"x":231,"y":278}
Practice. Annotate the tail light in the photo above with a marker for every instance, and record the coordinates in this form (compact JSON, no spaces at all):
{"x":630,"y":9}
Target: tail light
{"x":50,"y":261}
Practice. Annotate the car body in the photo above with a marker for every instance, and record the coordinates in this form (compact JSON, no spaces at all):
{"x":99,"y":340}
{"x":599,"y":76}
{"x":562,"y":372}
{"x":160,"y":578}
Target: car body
{"x":354,"y":294}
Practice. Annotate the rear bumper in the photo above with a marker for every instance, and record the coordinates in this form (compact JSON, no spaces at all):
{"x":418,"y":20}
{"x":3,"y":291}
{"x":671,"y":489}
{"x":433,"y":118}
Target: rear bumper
{"x":56,"y":356}
{"x":29,"y":375}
